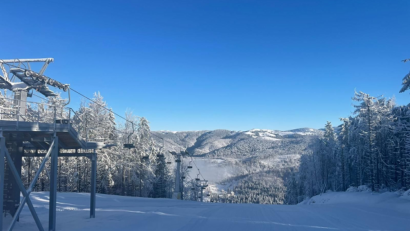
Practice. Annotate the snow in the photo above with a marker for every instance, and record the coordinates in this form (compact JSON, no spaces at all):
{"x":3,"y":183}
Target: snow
{"x":213,"y":170}
{"x":262,"y":133}
{"x":283,"y":161}
{"x":215,"y":144}
{"x":406,"y":195}
{"x":167,"y":131}
{"x":272,"y":134}
{"x":269,"y":138}
{"x":352,"y":211}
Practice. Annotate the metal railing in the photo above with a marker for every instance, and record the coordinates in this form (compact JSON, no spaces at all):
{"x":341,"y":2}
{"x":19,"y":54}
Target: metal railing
{"x":10,"y":109}
{"x":46,"y":112}
{"x":37,"y":112}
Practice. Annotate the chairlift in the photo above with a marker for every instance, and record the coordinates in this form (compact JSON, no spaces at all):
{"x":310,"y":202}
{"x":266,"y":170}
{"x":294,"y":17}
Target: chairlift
{"x":130,"y":145}
{"x":169,"y":162}
{"x":144,"y":158}
{"x":197,"y":179}
{"x":183,"y":177}
{"x":189,"y":166}
{"x":65,"y":121}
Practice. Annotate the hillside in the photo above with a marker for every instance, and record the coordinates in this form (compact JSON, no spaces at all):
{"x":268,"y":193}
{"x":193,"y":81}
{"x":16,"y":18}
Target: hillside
{"x":353,"y":211}
{"x":237,"y":160}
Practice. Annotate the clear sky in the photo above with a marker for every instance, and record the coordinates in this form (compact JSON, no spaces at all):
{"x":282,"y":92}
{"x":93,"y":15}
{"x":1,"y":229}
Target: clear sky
{"x":218,"y":64}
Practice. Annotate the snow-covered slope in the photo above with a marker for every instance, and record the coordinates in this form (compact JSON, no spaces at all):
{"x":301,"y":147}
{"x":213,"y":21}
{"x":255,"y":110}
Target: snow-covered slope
{"x":347,"y":211}
{"x":227,"y":158}
{"x":210,"y":142}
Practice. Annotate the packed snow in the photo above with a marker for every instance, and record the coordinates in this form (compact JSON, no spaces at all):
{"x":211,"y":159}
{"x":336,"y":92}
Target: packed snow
{"x":214,"y":170}
{"x":352,"y":211}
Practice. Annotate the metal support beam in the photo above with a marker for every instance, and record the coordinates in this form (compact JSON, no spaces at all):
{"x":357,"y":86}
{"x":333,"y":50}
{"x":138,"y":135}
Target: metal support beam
{"x":177,"y":193}
{"x":93,"y":184}
{"x":53,"y":186}
{"x":3,"y":70}
{"x":202,"y":194}
{"x":11,"y":188}
{"x":59,"y":154}
{"x":20,"y":101}
{"x":31,"y":186}
{"x":23,"y":190}
{"x":48,"y":60}
{"x":2,"y":151}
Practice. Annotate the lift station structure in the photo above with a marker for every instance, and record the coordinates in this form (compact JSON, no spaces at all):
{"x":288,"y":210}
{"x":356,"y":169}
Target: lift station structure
{"x":23,"y":135}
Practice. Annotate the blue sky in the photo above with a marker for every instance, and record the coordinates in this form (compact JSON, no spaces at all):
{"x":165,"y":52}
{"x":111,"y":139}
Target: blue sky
{"x":201,"y":65}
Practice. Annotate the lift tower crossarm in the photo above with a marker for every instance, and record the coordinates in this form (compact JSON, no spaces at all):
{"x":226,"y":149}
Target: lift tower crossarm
{"x":43,"y":69}
{"x":47,"y":60}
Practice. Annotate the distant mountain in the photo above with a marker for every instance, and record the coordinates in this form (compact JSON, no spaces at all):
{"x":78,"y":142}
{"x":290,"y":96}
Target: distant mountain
{"x":230,"y":159}
{"x":208,"y":143}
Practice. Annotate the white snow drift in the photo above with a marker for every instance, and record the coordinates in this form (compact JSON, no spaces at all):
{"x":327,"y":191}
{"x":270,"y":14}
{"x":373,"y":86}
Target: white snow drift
{"x":348,"y":211}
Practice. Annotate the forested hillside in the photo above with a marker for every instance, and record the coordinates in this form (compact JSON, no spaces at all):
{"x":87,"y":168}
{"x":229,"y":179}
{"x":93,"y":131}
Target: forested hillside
{"x":371,"y":147}
{"x":241,"y":166}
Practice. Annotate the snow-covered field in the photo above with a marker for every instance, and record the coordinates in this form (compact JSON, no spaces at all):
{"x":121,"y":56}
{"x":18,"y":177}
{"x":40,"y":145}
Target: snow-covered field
{"x":214,"y":170}
{"x":351,"y":211}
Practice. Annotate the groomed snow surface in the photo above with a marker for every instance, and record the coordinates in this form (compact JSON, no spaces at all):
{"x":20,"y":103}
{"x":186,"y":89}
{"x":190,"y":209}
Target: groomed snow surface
{"x":331,"y":211}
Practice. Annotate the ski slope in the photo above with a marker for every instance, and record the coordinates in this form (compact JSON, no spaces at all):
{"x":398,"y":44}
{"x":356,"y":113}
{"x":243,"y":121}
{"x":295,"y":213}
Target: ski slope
{"x":354,"y":211}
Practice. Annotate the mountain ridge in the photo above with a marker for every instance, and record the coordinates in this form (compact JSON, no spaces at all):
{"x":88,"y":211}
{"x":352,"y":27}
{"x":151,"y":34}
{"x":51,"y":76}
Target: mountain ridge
{"x":238,"y":160}
{"x":205,"y":141}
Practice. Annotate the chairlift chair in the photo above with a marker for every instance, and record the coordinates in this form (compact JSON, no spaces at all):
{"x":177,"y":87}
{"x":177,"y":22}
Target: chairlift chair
{"x":169,"y":162}
{"x":189,"y":166}
{"x":130,"y":145}
{"x":144,"y":158}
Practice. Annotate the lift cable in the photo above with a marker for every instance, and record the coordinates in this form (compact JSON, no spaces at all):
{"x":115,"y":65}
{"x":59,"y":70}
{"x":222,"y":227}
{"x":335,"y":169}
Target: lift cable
{"x":197,"y":168}
{"x":40,"y":97}
{"x":103,"y":106}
